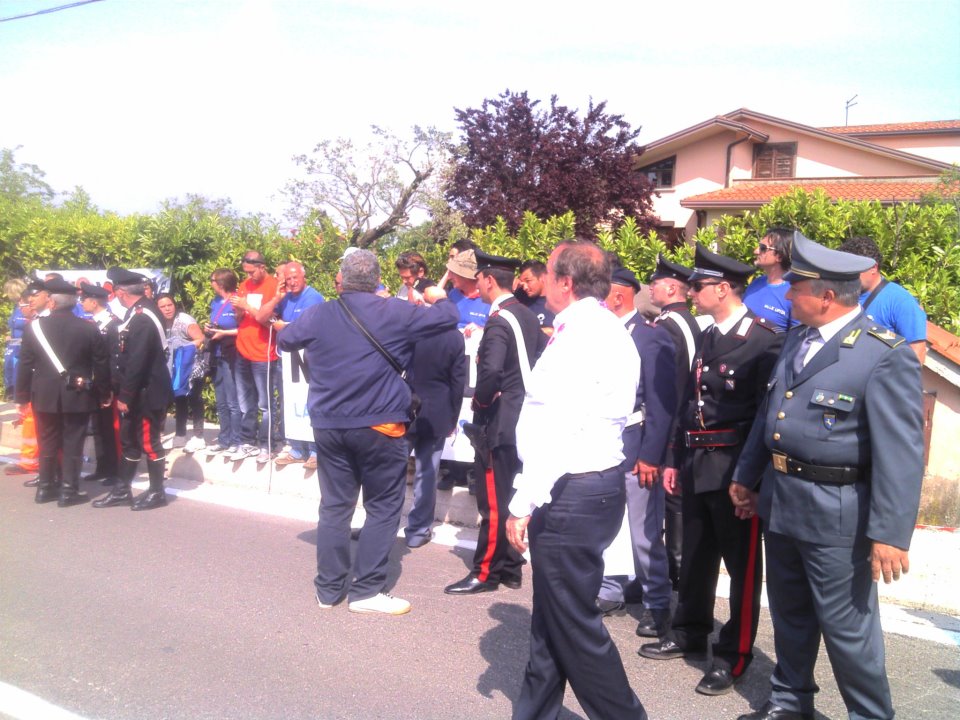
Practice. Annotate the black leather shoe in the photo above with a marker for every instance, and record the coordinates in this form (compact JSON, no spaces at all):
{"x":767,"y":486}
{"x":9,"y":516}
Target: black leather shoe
{"x":149,"y":500}
{"x":67,"y":499}
{"x":666,"y":650}
{"x":775,"y":712}
{"x":417,"y":541}
{"x":470,"y":585}
{"x":47,"y":494}
{"x":115,"y":497}
{"x":108,"y":481}
{"x":654,"y":623}
{"x":718,"y":681}
{"x":33,"y":482}
{"x":513,"y":583}
{"x":609,"y":607}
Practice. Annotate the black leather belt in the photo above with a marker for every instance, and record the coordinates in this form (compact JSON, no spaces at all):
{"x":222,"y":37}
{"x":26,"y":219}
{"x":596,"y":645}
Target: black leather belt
{"x":592,"y":473}
{"x":711,"y":438}
{"x":824,"y":474}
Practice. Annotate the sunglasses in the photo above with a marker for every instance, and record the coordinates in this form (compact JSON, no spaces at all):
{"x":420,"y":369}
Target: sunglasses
{"x":699,"y":285}
{"x":764,"y":248}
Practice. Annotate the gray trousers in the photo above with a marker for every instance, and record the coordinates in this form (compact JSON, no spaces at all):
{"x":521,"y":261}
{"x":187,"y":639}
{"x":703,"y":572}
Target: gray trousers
{"x":645,"y":509}
{"x":821,"y":590}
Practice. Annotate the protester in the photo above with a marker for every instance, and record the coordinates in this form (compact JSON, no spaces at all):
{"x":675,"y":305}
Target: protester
{"x":766,"y":294}
{"x":412,"y":269}
{"x":359,"y":407}
{"x":462,"y":271}
{"x":530,"y":292}
{"x":888,"y":303}
{"x":256,"y":370}
{"x":182,"y":332}
{"x":13,"y":289}
{"x":221,"y":332}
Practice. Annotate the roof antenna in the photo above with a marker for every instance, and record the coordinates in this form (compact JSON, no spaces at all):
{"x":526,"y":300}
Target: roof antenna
{"x":846,"y":110}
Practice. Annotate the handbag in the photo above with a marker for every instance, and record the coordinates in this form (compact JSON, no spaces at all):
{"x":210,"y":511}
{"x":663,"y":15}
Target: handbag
{"x":184,"y":358}
{"x":414,"y":409}
{"x":201,"y":364}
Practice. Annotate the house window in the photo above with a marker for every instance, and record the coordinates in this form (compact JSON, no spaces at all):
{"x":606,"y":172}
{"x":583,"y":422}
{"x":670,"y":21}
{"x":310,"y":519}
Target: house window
{"x":660,"y":174}
{"x":774,"y":160}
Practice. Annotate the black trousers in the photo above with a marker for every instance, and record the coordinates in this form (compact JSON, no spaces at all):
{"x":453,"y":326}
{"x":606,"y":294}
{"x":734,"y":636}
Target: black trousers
{"x":568,"y":641}
{"x":711,"y":532}
{"x":59,"y":435}
{"x":106,"y":424}
{"x":495,"y":559}
{"x":140,"y":430}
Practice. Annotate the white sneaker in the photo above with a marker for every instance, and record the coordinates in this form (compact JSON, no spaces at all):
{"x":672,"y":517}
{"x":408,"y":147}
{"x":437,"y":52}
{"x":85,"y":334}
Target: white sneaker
{"x":263,"y":457}
{"x":194,"y":444}
{"x":216,"y":449}
{"x":380,"y":603}
{"x":243,"y":452}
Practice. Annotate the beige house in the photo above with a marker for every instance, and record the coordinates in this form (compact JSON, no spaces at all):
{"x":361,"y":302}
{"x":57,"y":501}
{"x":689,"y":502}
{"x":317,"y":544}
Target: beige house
{"x":741,"y":160}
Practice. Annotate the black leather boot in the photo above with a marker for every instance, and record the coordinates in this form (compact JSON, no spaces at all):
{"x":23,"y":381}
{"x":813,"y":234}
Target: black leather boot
{"x":156,"y":496}
{"x":120,"y":492}
{"x":70,"y":493}
{"x":48,"y":489}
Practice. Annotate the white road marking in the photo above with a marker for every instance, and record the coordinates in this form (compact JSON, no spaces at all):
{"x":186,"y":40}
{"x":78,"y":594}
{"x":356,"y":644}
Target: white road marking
{"x":21,"y":705}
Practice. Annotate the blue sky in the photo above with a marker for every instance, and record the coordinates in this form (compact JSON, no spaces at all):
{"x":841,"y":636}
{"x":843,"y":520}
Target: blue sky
{"x":141,"y":100}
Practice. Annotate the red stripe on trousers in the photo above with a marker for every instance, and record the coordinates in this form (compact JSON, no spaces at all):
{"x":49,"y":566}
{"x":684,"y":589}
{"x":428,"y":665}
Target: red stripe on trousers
{"x":147,"y":446}
{"x":116,"y":430}
{"x":493,"y":526}
{"x":746,"y":603}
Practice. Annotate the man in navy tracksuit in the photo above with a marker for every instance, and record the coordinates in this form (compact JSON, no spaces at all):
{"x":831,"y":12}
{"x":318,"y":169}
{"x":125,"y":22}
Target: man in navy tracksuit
{"x":359,"y":409}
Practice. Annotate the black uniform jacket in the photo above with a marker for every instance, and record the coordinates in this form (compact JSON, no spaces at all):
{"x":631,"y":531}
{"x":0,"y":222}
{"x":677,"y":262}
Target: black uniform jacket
{"x":656,"y":393}
{"x":144,"y":378}
{"x":438,"y":376}
{"x":727,"y":384}
{"x":83,"y":354}
{"x":858,"y":403}
{"x":499,"y":393}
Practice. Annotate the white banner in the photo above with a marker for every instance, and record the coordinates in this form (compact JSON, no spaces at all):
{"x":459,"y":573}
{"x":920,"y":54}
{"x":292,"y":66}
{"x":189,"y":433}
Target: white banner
{"x":296,"y":415}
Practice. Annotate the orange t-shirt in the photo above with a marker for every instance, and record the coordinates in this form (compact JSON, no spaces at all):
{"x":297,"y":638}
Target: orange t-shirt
{"x":253,"y":339}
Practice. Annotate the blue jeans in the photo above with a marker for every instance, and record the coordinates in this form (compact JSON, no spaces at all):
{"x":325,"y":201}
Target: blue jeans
{"x":256,"y":397}
{"x":302,"y":449}
{"x":228,"y":404}
{"x":423,"y":511}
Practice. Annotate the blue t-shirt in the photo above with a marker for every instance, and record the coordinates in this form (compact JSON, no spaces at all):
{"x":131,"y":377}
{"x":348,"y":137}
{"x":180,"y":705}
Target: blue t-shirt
{"x":538,"y":306}
{"x":472,"y":310}
{"x":896,"y":309}
{"x":224,"y":316}
{"x":770,"y":303}
{"x":291,"y":306}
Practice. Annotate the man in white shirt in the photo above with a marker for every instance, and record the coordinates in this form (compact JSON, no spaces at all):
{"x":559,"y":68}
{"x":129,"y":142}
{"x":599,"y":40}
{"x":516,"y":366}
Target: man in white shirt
{"x":570,"y":496}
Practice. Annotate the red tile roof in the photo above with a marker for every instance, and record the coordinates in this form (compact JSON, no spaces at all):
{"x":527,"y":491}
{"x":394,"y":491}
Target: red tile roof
{"x":752,"y":193}
{"x":943,"y":342}
{"x":907,"y":127}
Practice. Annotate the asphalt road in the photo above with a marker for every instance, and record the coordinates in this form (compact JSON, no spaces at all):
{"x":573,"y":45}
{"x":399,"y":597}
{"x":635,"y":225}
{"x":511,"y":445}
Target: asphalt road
{"x":200,"y":611}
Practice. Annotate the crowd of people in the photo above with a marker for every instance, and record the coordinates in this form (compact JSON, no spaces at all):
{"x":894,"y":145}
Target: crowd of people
{"x":784,"y":413}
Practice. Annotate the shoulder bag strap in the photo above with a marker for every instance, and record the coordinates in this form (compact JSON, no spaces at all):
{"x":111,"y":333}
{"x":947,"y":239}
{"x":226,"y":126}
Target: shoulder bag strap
{"x":373,"y":341}
{"x":873,"y":295}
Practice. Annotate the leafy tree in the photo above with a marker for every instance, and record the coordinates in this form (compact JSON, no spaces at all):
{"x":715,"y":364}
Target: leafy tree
{"x":516,"y":157}
{"x":18,"y":181}
{"x":369,"y":191}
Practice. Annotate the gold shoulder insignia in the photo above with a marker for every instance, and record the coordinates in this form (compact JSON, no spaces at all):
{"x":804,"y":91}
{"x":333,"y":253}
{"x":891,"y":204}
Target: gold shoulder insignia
{"x":850,"y":339}
{"x":887,"y":336}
